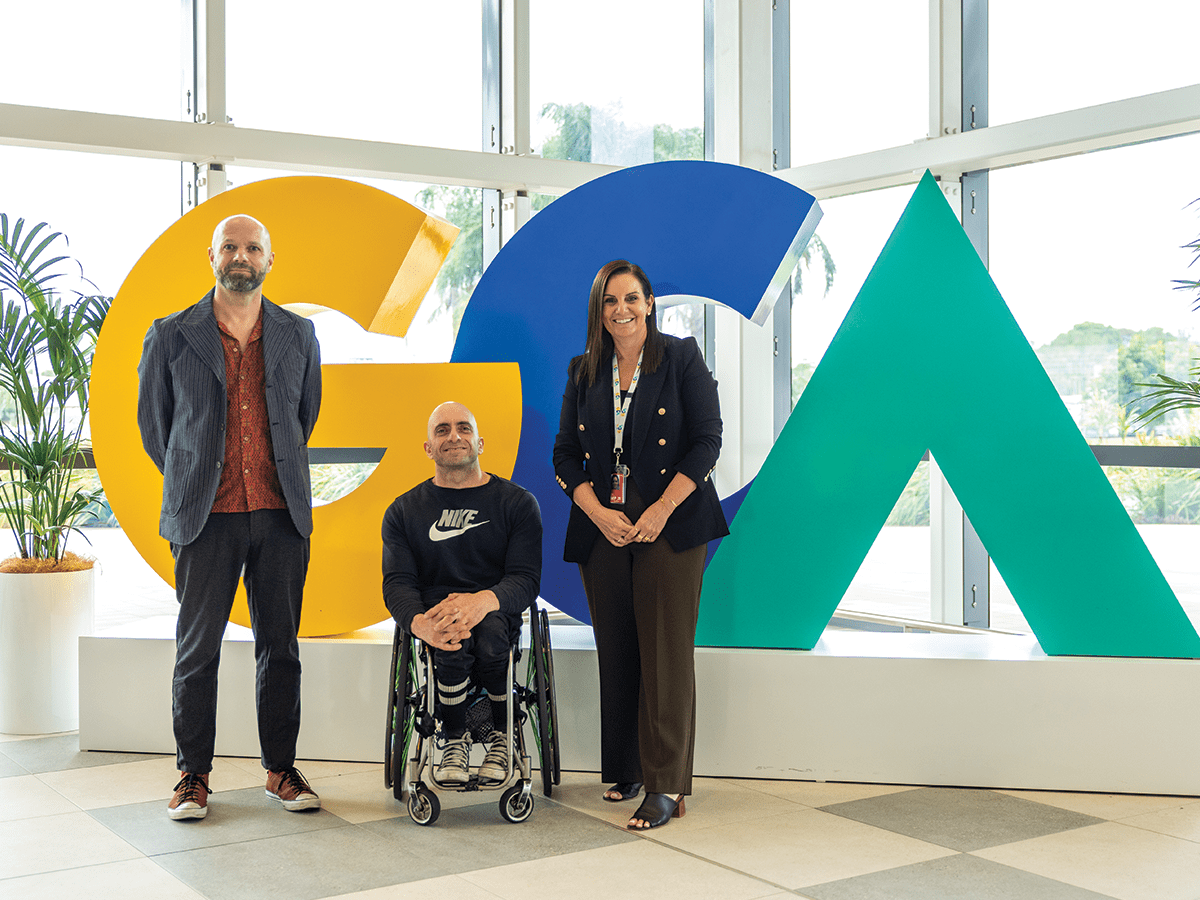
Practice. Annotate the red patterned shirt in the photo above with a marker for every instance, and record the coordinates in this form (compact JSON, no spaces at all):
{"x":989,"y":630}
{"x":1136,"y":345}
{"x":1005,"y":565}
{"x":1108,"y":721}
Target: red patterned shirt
{"x":249,"y":480}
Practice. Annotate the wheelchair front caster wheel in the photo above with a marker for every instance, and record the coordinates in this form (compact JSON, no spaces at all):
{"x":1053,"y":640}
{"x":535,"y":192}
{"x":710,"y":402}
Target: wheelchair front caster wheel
{"x":514,"y":807}
{"x":423,"y":806}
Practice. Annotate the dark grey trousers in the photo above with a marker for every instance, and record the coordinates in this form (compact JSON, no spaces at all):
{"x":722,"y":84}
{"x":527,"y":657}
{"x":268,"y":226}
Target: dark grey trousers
{"x":275,"y":561}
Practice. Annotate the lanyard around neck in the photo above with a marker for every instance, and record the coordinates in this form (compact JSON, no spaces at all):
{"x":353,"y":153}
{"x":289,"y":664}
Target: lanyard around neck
{"x":621,"y":410}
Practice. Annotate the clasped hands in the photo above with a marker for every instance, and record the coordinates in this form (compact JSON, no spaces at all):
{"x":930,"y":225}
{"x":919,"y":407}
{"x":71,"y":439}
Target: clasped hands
{"x":449,"y":623}
{"x":619,"y":531}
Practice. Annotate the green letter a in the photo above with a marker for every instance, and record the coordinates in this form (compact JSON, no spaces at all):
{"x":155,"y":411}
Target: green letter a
{"x":929,"y":356}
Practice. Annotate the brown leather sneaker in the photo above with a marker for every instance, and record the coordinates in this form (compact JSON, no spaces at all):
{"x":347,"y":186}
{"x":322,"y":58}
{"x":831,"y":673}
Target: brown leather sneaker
{"x":290,"y":789}
{"x":191,"y":797}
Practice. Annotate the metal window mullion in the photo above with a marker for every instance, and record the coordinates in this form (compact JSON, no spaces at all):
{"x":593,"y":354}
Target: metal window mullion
{"x":974,"y":65}
{"x":211,"y":98}
{"x":976,"y":602}
{"x":781,"y":141}
{"x":188,"y":173}
{"x":492,"y":91}
{"x":514,"y":107}
{"x":710,"y":311}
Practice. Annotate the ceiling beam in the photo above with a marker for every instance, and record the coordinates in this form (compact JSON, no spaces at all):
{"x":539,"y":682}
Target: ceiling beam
{"x":1116,"y":124}
{"x":89,"y":132}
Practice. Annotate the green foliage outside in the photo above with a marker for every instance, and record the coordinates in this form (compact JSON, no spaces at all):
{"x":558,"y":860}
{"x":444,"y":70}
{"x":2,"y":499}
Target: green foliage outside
{"x":913,"y":506}
{"x":1165,"y":393}
{"x":574,"y":131}
{"x":464,"y":264}
{"x":332,"y":481}
{"x":1106,"y":370}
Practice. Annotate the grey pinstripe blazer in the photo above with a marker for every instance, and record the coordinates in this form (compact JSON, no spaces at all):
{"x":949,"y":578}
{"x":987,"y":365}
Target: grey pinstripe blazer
{"x":181,"y":410}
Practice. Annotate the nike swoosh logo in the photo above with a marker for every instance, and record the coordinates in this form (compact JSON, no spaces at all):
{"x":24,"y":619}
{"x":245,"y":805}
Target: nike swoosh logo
{"x":435,"y":535}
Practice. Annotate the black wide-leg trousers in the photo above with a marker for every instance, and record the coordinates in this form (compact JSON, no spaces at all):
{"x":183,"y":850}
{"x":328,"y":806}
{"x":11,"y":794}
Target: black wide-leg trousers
{"x":644,"y":600}
{"x":264,"y":548}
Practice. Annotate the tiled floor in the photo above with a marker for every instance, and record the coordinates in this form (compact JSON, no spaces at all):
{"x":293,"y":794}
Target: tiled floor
{"x":93,"y":825}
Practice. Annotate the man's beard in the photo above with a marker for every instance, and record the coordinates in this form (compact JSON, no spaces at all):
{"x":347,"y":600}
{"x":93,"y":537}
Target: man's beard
{"x":466,"y":461}
{"x":240,"y":280}
{"x":462,"y":462}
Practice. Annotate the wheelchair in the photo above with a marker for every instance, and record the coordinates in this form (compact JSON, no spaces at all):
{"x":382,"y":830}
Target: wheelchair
{"x":408,"y":764}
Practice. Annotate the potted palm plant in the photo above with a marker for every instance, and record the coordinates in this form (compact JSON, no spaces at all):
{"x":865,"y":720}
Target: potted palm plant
{"x":1173,"y":394}
{"x":47,"y":336}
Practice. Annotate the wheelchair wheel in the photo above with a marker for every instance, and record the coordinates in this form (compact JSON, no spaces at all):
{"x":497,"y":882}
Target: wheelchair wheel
{"x":401,"y":714}
{"x":423,"y":806}
{"x":513,"y":807}
{"x":547,"y":709}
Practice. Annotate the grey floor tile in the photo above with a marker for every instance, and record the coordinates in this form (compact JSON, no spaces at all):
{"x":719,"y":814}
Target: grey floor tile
{"x":306,"y":866}
{"x":952,"y":878}
{"x":9,"y":766}
{"x":61,"y":751}
{"x":961,"y":818}
{"x":233,"y":816}
{"x":475,"y":837}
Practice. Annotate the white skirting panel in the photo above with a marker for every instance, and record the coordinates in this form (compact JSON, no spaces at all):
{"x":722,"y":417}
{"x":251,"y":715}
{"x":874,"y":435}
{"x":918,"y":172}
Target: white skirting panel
{"x":987,"y":711}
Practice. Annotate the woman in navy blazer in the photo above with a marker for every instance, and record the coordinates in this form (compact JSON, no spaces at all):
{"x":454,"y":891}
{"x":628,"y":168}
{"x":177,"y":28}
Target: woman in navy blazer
{"x":639,"y":436}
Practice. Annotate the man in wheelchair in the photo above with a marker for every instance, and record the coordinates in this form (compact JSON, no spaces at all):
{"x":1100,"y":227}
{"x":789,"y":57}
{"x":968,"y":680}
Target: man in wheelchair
{"x":462,"y":560}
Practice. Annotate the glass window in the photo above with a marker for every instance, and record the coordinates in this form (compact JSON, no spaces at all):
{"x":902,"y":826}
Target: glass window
{"x":1097,"y":298}
{"x":685,"y":320}
{"x":849,"y":237}
{"x":894,"y":578}
{"x":1045,"y":56}
{"x":858,"y":82}
{"x":79,"y":54}
{"x":404,"y":73}
{"x":620,"y":82}
{"x":110,"y":208}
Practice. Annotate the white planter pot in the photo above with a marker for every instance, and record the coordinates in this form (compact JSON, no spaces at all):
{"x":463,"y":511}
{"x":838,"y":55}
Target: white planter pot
{"x":41,"y":620}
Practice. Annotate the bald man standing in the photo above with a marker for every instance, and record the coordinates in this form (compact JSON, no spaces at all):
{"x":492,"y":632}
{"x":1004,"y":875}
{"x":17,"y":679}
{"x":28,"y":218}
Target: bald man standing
{"x":462,"y":560}
{"x":228,"y":393}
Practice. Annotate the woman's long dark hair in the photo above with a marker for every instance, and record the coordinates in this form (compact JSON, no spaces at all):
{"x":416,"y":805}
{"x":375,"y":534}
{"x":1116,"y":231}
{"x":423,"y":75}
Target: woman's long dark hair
{"x":599,"y":348}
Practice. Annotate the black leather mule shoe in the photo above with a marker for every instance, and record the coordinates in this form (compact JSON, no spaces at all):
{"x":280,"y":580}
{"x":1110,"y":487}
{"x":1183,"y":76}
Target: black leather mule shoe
{"x":627,"y":789}
{"x":656,"y":810}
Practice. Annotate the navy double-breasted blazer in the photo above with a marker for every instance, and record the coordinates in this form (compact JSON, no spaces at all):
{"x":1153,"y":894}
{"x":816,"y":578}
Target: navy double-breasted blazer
{"x":182,"y":405}
{"x":674,"y":426}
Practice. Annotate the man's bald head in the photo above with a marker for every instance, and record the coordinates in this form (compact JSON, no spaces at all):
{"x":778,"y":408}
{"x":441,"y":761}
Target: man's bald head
{"x":241,"y":221}
{"x":448,"y":412}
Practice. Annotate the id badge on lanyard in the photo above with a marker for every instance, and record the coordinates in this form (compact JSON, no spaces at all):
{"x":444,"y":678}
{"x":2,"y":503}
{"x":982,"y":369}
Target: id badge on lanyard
{"x":620,"y":478}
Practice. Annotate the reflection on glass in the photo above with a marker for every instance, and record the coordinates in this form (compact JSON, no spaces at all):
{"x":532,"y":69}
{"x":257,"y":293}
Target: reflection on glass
{"x":636,"y":92}
{"x":1071,"y":59}
{"x":406,"y":73}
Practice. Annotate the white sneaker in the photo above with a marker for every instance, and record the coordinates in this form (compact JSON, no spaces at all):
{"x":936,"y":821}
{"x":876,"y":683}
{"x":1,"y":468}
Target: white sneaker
{"x":495,"y":763}
{"x":456,"y":755}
